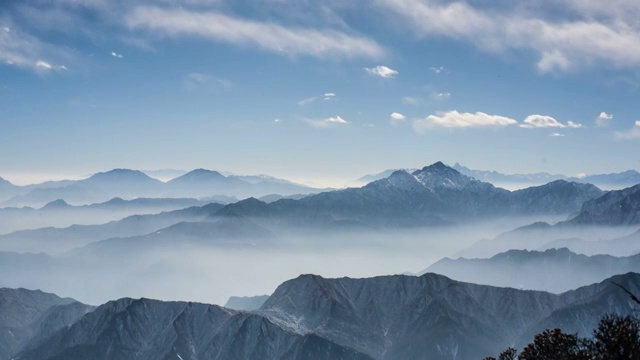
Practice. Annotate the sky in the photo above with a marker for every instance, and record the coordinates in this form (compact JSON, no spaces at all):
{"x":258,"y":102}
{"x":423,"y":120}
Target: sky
{"x":319,"y":92}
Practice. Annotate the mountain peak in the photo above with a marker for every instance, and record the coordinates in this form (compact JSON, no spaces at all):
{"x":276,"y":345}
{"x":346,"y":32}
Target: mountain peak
{"x":437,"y":168}
{"x":439,"y":175}
{"x":204,"y":172}
{"x":56,"y":204}
{"x":199,"y":175}
{"x":119,"y":174}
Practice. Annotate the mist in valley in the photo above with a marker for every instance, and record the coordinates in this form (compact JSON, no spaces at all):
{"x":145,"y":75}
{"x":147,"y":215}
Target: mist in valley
{"x":211,"y":268}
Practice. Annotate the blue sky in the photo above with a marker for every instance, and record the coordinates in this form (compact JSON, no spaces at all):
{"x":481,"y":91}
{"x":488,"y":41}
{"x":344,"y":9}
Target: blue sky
{"x":318,"y":91}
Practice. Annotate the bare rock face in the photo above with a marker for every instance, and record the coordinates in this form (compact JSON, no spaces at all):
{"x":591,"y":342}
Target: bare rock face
{"x":150,"y":329}
{"x":433,"y":317}
{"x":28,"y":316}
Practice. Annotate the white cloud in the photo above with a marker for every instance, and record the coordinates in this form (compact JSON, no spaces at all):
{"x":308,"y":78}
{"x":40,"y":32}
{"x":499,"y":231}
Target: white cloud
{"x":604,"y":119}
{"x":455,"y":119}
{"x":555,"y":134}
{"x":564,"y":35}
{"x":541,"y":121}
{"x":395,"y":116}
{"x":633,"y":133}
{"x":43,"y":65}
{"x":277,"y":120}
{"x":116,"y":55}
{"x":437,"y":69}
{"x":328,"y":122}
{"x":382,"y":71}
{"x":268,"y":36}
{"x":329,"y":96}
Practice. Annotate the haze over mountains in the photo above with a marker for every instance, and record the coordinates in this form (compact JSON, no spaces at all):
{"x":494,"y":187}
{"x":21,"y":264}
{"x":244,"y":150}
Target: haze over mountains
{"x":554,"y":237}
{"x":537,"y":270}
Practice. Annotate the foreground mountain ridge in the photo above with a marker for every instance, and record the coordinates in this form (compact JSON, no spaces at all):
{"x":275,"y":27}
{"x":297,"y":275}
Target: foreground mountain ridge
{"x":385,"y":317}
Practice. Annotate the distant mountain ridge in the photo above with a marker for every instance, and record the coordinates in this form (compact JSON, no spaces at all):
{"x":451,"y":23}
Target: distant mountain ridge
{"x":536,"y":270}
{"x":433,"y":195}
{"x":129,"y":184}
{"x":611,"y":181}
{"x":59,"y":213}
{"x":606,"y":181}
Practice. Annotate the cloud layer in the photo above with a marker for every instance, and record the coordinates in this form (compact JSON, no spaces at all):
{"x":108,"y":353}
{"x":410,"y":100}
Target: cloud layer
{"x":588,"y":34}
{"x":265,"y":35}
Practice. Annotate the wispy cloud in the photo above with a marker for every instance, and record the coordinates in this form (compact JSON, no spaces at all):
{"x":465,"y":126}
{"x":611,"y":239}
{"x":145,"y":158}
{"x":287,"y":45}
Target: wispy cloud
{"x":584,"y":36}
{"x":555,"y":134}
{"x":268,"y":36}
{"x":633,"y":133}
{"x":455,"y":119}
{"x":328,"y":122}
{"x":437,"y":69}
{"x":197,"y":80}
{"x":440,"y":96}
{"x":25,"y":51}
{"x":411,"y":100}
{"x":116,"y":55}
{"x":307,"y":101}
{"x":326,"y":96}
{"x":382,"y":71}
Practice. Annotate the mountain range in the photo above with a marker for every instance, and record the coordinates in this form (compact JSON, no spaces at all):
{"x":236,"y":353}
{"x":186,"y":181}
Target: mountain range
{"x":130,"y":184}
{"x":433,"y":195}
{"x":59,"y":240}
{"x":604,"y":181}
{"x":387,"y":317}
{"x":608,"y":224}
{"x":517,"y":181}
{"x":59,"y":213}
{"x":553,"y":270}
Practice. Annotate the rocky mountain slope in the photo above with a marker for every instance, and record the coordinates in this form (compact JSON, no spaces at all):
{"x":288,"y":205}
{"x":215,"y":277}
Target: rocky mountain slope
{"x":387,"y":317}
{"x":28,"y":316}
